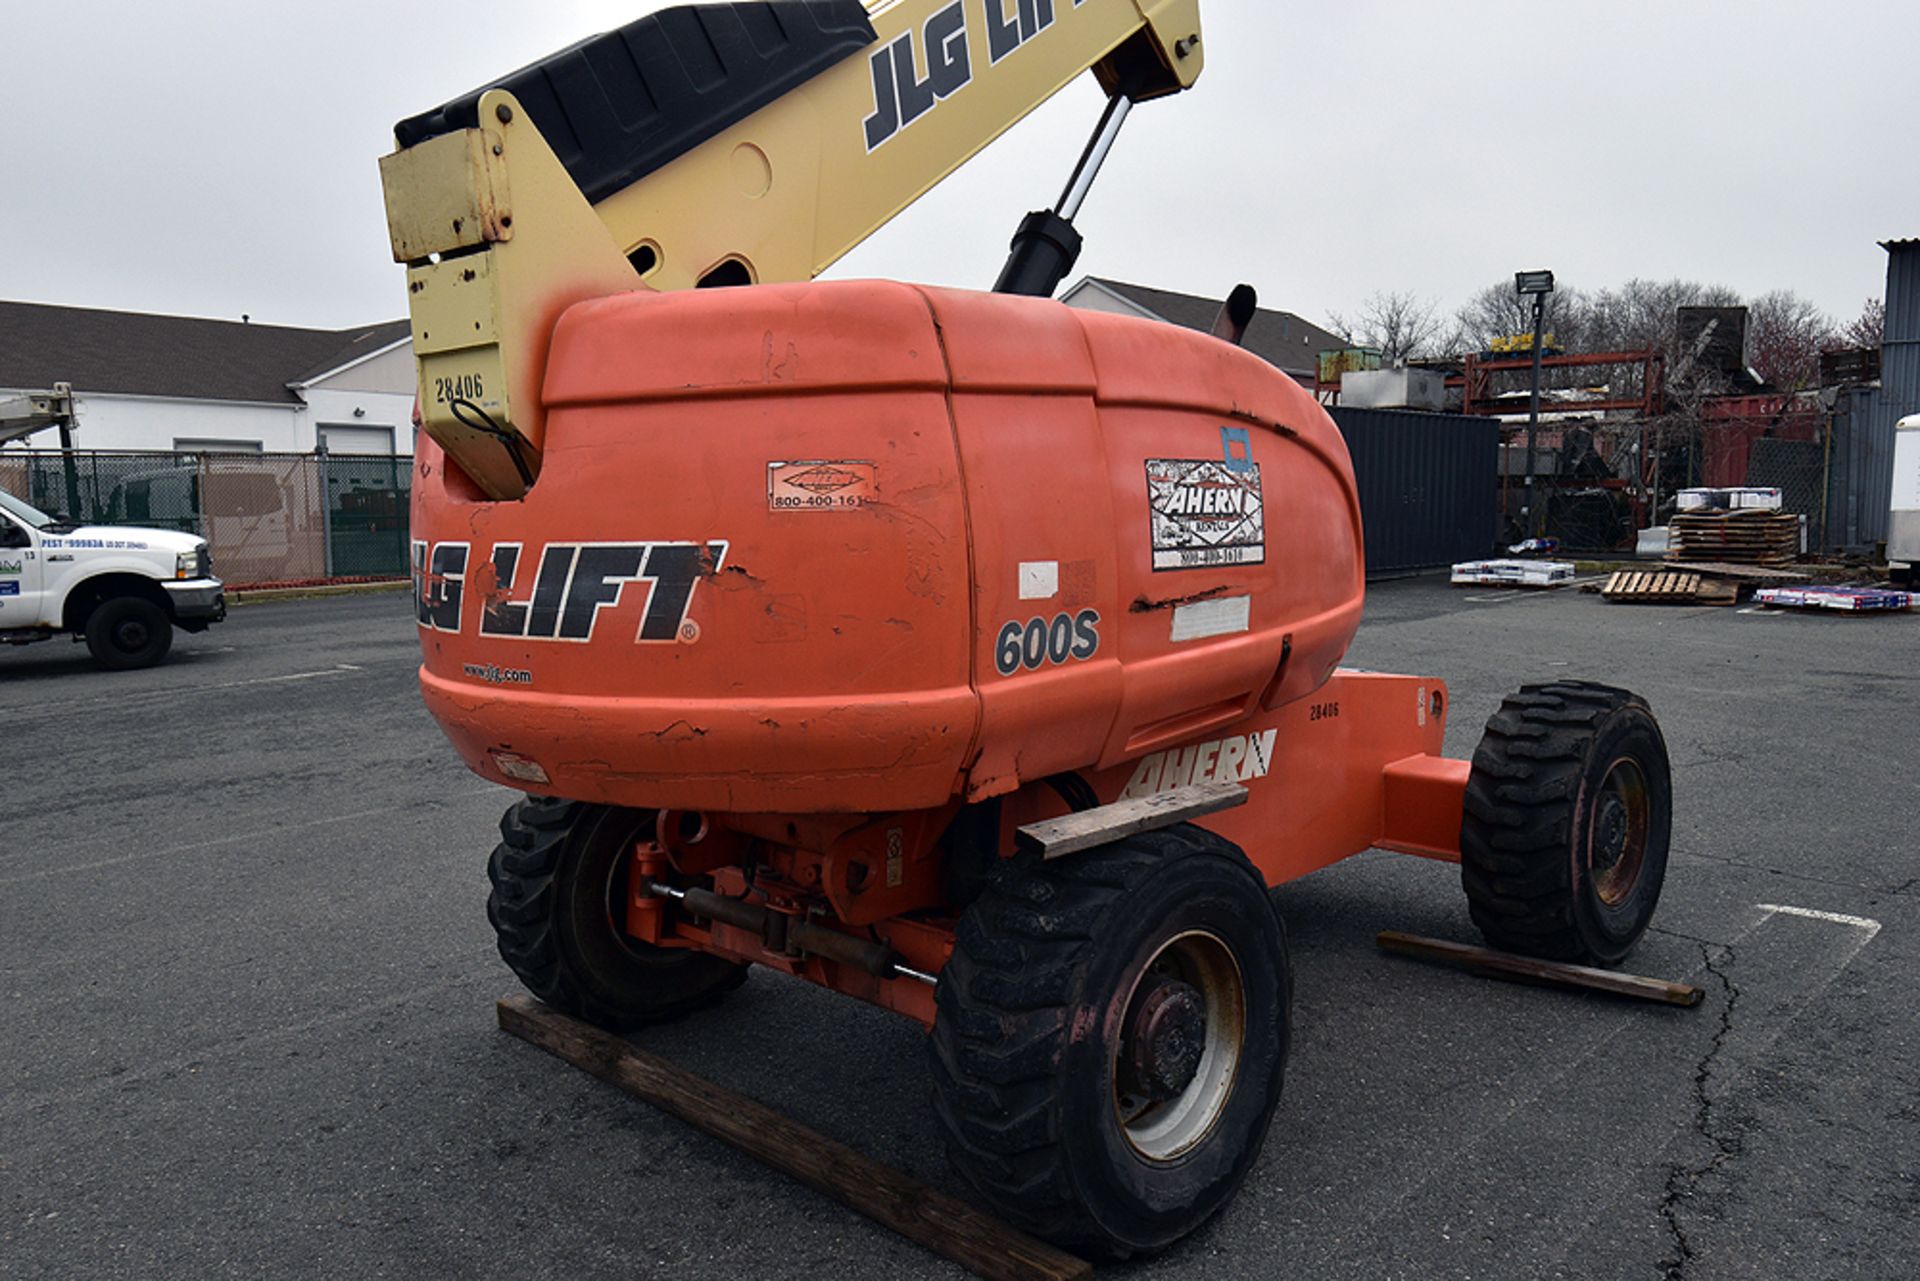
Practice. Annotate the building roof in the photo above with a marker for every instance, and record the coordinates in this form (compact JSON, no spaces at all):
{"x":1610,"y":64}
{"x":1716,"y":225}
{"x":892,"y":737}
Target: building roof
{"x":1279,"y":337}
{"x":146,"y":355}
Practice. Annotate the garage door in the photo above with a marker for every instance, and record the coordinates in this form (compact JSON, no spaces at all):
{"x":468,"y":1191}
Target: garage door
{"x":356,"y":439}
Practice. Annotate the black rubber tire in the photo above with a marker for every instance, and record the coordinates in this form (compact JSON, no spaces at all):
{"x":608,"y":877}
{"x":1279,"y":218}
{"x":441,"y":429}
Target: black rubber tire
{"x":1536,"y":812}
{"x":1028,"y":1021}
{"x":558,"y":865}
{"x":128,"y":632}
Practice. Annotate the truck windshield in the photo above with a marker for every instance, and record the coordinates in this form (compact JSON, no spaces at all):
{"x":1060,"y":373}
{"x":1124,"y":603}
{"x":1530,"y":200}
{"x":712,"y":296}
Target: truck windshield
{"x":30,"y":514}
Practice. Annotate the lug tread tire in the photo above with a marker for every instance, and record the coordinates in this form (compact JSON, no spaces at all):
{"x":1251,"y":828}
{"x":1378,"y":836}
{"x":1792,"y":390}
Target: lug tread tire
{"x":1004,"y":1006}
{"x":1520,"y":820}
{"x":524,"y":909}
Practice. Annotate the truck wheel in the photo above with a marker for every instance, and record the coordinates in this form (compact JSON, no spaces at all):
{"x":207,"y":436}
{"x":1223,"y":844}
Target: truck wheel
{"x":1569,"y":806}
{"x":126,"y":632}
{"x":558,"y":909}
{"x":1110,"y":1037}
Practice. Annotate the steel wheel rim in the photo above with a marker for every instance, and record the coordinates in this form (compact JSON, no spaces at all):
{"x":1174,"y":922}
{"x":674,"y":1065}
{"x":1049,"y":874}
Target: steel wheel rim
{"x":1617,"y":841}
{"x":1161,"y":1131}
{"x":132,"y":635}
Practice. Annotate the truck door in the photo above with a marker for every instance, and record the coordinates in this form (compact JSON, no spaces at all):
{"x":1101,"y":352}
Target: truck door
{"x":21,"y":575}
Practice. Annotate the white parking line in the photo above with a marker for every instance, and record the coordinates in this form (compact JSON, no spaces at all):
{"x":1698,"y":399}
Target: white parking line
{"x":1533,"y":593}
{"x":1871,"y":926}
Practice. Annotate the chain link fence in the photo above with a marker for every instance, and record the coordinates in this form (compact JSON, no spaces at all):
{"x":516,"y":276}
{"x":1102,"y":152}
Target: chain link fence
{"x":267,"y":518}
{"x":1599,"y":483}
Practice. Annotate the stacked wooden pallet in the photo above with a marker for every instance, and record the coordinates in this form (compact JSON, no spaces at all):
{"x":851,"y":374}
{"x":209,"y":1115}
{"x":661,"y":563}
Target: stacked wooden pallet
{"x":1668,"y":587}
{"x":1736,"y":537}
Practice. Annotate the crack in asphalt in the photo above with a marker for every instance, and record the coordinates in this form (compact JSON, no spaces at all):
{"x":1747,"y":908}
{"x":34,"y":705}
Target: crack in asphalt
{"x":1690,"y":938}
{"x":1683,"y":1180}
{"x":1723,"y":861}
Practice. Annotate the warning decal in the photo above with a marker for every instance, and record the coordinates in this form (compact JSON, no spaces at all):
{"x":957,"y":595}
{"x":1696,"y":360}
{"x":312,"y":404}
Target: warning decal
{"x":819,"y":486}
{"x":1205,"y":513}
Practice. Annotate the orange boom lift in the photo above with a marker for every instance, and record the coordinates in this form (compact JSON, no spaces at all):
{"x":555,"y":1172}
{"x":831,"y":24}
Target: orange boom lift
{"x":961,"y":652}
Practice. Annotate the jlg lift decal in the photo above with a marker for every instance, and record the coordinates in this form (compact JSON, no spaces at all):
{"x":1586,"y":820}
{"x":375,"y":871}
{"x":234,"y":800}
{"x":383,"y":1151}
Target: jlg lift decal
{"x":1236,"y":759}
{"x":563,"y":601}
{"x":944,"y":46}
{"x":1205,"y":513}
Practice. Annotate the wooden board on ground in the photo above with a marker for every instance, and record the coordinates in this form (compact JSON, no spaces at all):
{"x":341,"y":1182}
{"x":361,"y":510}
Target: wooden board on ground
{"x":944,"y":1224}
{"x":1667,"y":587}
{"x":1084,"y":829}
{"x":1484,"y":960}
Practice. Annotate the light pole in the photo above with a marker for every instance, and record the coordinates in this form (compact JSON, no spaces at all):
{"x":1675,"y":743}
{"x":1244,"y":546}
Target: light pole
{"x":1535,"y":285}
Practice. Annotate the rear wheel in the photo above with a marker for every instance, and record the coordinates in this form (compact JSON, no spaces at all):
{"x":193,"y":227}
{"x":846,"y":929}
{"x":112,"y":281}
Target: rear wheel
{"x":126,"y":632}
{"x":558,"y":907}
{"x":1110,"y":1039}
{"x":1569,"y":808}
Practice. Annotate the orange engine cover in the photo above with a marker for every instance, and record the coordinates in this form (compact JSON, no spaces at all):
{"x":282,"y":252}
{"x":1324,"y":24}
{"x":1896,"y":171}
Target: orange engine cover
{"x":863,"y":547}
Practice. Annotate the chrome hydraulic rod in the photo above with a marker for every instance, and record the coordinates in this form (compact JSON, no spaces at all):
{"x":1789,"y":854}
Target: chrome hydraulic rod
{"x":1099,"y":147}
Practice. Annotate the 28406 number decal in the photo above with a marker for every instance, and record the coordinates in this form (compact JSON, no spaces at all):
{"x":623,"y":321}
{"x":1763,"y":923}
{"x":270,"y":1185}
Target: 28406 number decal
{"x":1038,"y":641}
{"x":464,"y":387}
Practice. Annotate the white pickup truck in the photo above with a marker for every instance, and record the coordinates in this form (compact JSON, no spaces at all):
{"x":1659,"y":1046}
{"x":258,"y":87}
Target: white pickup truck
{"x":124,"y":590}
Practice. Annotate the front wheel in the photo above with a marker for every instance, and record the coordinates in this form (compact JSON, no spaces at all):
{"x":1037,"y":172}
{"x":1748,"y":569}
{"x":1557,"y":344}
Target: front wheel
{"x":127,"y":632}
{"x":1110,"y":1038}
{"x":558,"y":908}
{"x":1569,"y":808}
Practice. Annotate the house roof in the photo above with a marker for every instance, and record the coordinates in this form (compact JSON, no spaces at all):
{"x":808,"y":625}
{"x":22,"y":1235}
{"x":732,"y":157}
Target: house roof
{"x":147,"y":355}
{"x":1279,"y":337}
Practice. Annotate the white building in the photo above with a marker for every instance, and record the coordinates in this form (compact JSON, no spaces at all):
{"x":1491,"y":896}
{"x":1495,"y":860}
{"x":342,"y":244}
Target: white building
{"x":175,"y":383}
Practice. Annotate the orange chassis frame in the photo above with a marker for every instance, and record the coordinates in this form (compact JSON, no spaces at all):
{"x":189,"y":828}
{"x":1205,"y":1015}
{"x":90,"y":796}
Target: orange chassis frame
{"x":1354,"y":766}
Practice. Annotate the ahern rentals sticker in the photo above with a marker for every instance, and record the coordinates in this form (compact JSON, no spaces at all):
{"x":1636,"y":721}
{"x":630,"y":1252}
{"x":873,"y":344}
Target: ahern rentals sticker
{"x":1205,"y":514}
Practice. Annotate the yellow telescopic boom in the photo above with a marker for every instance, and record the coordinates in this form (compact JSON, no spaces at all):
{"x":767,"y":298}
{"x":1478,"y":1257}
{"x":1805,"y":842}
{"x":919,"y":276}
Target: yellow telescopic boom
{"x":715,"y":144}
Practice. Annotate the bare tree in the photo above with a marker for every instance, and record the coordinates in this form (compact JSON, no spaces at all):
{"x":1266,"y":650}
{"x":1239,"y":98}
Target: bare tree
{"x":1785,"y":334}
{"x":1403,"y":326}
{"x":1645,"y":313}
{"x":1498,"y":312}
{"x":1869,"y":328}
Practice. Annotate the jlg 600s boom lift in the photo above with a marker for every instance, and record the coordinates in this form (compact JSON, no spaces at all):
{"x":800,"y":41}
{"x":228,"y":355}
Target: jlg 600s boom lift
{"x":958,"y":651}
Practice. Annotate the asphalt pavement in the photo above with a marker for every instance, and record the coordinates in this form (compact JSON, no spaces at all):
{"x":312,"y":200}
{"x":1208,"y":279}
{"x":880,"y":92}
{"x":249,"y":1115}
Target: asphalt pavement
{"x":248,"y":1021}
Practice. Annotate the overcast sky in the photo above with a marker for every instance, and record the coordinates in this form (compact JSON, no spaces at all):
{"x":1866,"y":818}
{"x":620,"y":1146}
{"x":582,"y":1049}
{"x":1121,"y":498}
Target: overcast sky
{"x":212,"y":157}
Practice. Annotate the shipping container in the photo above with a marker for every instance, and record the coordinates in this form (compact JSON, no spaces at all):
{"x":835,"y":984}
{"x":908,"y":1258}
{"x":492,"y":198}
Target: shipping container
{"x":1429,"y":492}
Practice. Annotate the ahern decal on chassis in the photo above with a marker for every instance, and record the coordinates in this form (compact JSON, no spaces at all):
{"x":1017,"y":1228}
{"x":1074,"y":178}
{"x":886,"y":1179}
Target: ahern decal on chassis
{"x":1235,"y":759}
{"x":574,"y":584}
{"x":1205,"y":514}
